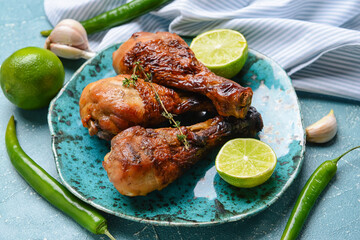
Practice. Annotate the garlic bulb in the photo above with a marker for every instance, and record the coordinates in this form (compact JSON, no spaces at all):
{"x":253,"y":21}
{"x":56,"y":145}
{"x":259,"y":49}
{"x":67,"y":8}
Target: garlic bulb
{"x":323,"y":130}
{"x":69,"y":40}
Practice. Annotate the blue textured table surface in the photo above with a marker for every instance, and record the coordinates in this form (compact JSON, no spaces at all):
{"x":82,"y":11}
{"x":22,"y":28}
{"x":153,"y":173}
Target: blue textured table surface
{"x":25,"y":215}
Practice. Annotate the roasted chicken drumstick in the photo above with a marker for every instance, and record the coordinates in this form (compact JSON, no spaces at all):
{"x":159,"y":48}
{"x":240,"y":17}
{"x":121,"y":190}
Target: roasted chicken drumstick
{"x":142,"y":160}
{"x":172,"y":63}
{"x":108,"y":106}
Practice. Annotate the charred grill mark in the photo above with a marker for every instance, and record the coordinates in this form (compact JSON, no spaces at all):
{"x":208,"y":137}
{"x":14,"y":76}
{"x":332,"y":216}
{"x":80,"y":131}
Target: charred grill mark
{"x":197,"y":140}
{"x":155,"y":58}
{"x":256,"y":119}
{"x":136,"y":158}
{"x":227,"y":88}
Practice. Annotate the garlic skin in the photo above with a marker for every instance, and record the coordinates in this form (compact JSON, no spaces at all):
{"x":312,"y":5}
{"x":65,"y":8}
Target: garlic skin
{"x":323,"y":130}
{"x":70,"y":52}
{"x":69,"y":40}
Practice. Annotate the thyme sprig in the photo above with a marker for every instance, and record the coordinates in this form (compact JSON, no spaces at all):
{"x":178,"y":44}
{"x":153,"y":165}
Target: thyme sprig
{"x":133,"y":78}
{"x":148,"y":78}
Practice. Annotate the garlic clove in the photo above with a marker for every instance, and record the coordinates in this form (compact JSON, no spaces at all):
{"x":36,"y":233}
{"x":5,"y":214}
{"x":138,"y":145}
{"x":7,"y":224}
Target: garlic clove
{"x":70,"y":52}
{"x":71,"y":35}
{"x":70,"y":32}
{"x":323,"y":130}
{"x":77,"y":26}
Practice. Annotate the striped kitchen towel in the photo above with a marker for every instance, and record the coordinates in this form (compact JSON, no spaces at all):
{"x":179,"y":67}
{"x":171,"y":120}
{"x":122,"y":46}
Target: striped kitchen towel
{"x":316,"y":41}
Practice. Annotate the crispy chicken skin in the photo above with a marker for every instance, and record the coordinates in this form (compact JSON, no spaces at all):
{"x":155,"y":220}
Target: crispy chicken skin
{"x":107,"y":106}
{"x":172,"y":63}
{"x":142,"y":160}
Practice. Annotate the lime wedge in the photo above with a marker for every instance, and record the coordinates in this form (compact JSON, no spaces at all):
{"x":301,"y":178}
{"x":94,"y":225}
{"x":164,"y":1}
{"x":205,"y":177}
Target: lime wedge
{"x":223,"y":51}
{"x":245,"y":162}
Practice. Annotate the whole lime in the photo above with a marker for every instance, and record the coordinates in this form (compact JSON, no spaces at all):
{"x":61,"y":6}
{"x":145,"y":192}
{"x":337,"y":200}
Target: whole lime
{"x":31,"y":77}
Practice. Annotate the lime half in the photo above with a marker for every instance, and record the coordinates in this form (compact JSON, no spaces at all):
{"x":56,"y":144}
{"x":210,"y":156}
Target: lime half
{"x":223,"y":51}
{"x":245,"y":162}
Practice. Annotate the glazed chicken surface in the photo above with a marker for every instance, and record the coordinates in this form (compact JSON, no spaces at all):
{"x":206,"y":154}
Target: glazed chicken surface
{"x":142,"y":160}
{"x":108,"y":106}
{"x":172,"y":63}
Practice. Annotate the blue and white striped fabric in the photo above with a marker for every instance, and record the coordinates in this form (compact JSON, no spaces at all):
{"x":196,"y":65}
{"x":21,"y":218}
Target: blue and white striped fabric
{"x":316,"y":41}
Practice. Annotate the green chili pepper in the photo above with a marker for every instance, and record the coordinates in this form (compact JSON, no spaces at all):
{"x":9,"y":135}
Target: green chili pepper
{"x":311,"y":191}
{"x":50,"y":188}
{"x":117,"y":16}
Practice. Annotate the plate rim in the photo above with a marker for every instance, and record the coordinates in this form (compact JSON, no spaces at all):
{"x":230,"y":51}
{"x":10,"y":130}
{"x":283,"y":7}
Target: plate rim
{"x":162,"y":222}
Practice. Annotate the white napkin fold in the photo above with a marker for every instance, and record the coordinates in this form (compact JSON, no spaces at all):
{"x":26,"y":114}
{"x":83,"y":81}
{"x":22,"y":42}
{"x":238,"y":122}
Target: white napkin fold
{"x":316,"y":41}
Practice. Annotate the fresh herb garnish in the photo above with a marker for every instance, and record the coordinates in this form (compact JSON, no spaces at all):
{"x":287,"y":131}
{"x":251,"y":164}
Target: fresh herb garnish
{"x":148,"y":78}
{"x":133,"y":78}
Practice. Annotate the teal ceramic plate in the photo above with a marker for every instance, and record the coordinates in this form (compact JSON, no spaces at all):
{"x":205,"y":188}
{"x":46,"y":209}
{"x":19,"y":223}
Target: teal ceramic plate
{"x":200,"y":197}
